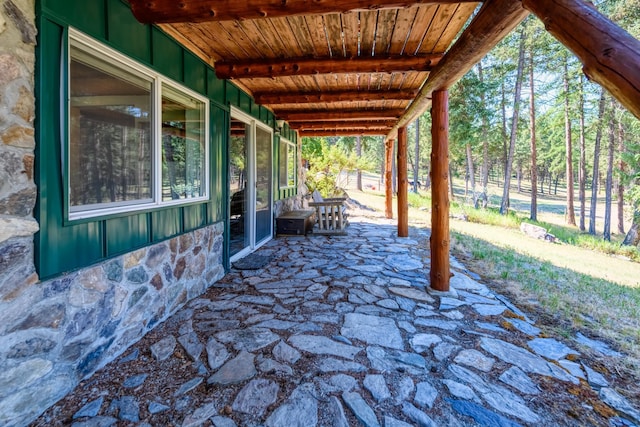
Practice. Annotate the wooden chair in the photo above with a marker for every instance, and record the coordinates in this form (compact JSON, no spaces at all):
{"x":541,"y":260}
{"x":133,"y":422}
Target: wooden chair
{"x":331,"y":215}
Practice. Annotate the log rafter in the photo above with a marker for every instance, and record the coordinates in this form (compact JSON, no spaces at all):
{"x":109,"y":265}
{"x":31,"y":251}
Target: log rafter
{"x":338,"y":115}
{"x":345,"y":132}
{"x":329,"y":125}
{"x":171,"y":11}
{"x":271,"y":68}
{"x":274,"y":98}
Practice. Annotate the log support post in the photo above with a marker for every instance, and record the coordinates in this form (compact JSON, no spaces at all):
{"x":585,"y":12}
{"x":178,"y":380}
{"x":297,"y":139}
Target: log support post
{"x":439,"y":275}
{"x":388,"y":180}
{"x":403,"y":205}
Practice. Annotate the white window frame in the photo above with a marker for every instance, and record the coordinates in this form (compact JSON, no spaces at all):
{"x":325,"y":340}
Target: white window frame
{"x":290,"y":146}
{"x":81,"y":40}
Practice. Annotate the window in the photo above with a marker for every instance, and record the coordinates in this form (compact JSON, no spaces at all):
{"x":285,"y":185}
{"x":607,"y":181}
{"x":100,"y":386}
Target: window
{"x":136,"y":139}
{"x":287,"y":164}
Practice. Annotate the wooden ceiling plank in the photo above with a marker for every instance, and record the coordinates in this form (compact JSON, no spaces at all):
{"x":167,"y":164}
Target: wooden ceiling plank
{"x":456,"y":24}
{"x":402,"y":29}
{"x":256,"y":38}
{"x":283,"y":29}
{"x":439,"y":25}
{"x":241,"y":40}
{"x":337,"y":115}
{"x":312,"y":66}
{"x":384,"y":31}
{"x":367,"y":32}
{"x":334,"y":33}
{"x":336,"y":96}
{"x":495,"y":20}
{"x":351,"y":31}
{"x":268,"y":32}
{"x":421,"y":25}
{"x":170,"y":11}
{"x":300,"y":31}
{"x":318,"y":36}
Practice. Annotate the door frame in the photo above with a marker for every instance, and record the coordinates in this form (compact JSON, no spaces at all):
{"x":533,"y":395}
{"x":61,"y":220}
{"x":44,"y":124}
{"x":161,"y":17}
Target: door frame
{"x":251,"y":171}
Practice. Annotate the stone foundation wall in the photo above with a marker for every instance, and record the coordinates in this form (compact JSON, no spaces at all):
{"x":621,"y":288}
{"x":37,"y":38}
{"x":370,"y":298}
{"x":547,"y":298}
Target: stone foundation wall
{"x":17,"y":142}
{"x":55,"y":333}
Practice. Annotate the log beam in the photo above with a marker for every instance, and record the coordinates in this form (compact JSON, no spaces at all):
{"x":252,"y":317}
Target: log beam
{"x":388,"y":178}
{"x":329,"y":125}
{"x":337,"y":115}
{"x":439,"y":241}
{"x":171,"y":11}
{"x":311,"y":66}
{"x":494,"y":21}
{"x":403,"y":205}
{"x":274,"y":98}
{"x":610,"y":55}
{"x":343,"y":132}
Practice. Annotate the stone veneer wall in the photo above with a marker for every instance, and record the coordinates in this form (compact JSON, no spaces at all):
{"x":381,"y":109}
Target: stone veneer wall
{"x":54,"y":333}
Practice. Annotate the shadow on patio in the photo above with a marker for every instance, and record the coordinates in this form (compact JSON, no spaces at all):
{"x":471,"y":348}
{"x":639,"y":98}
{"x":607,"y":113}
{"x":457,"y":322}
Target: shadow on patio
{"x":340,"y":331}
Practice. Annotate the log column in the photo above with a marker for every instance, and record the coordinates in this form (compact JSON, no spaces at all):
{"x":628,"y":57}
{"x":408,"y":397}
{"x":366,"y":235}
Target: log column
{"x":439,"y":274}
{"x":403,"y":206}
{"x":388,"y":180}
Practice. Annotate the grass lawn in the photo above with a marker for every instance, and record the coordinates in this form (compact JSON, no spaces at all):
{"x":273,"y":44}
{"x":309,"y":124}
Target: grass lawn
{"x":573,"y":288}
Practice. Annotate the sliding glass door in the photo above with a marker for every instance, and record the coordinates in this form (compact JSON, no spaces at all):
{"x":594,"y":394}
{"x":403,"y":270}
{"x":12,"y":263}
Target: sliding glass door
{"x":250,"y":185}
{"x":264,"y":222}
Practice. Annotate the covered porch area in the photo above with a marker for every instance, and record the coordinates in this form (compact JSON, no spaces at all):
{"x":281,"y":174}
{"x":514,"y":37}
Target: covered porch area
{"x":344,"y":331}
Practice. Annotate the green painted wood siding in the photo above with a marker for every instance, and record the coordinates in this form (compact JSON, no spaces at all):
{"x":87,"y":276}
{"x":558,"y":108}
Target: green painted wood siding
{"x":63,"y":245}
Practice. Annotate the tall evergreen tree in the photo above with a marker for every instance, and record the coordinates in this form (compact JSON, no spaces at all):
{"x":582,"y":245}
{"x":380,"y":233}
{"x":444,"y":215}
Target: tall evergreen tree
{"x":504,"y":206}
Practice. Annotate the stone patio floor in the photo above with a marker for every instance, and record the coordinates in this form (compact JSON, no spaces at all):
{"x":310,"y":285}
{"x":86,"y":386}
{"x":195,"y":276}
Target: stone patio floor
{"x":339,"y":331}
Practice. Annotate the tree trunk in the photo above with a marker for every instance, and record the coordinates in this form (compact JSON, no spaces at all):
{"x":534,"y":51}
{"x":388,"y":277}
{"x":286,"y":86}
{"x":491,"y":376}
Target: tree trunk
{"x":452,"y":196}
{"x":609,"y":184}
{"x":633,"y":235}
{"x":416,"y":162}
{"x":571,"y":215}
{"x":623,"y":167}
{"x":505,"y":149}
{"x":596,"y":165}
{"x":582,"y":173}
{"x":534,"y":163}
{"x":403,"y":205}
{"x":519,"y":176}
{"x":359,"y":154}
{"x":504,"y":207}
{"x":471,"y":173}
{"x":485,"y":143}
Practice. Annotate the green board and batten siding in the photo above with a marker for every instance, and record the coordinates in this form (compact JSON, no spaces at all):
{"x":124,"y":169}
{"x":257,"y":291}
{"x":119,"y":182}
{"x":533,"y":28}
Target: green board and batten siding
{"x":63,"y":246}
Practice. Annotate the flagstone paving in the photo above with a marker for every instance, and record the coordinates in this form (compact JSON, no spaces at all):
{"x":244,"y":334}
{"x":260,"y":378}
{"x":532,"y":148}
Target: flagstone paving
{"x":342,"y":331}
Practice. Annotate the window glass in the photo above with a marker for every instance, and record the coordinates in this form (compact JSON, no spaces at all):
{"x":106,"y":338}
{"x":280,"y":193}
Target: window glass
{"x":287,"y":165}
{"x":110,"y":137}
{"x":291,"y":166}
{"x":183,"y":145}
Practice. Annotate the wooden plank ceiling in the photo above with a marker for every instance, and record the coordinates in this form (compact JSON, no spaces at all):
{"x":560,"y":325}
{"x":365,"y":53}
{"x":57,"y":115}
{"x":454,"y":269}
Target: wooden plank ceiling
{"x":352,"y":73}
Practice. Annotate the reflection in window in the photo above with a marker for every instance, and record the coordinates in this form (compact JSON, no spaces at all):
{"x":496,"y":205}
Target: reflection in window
{"x":287,"y":165}
{"x":135,"y":140}
{"x":110,"y":135}
{"x":183,"y":145}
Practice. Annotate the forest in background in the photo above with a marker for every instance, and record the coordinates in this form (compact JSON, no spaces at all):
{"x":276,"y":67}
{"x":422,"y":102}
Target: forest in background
{"x":525,"y":117}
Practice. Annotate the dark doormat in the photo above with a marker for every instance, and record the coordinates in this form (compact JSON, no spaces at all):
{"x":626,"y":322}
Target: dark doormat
{"x":252,"y":262}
